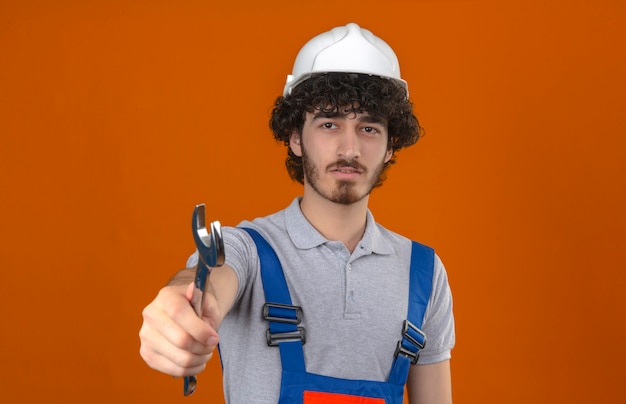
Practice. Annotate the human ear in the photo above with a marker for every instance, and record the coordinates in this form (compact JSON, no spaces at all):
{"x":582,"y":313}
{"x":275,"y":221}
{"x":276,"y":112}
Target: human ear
{"x":294,"y":143}
{"x":388,"y":155}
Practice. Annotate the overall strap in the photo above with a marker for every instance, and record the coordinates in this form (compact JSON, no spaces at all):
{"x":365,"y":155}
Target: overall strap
{"x":420,"y":289}
{"x":283,"y":317}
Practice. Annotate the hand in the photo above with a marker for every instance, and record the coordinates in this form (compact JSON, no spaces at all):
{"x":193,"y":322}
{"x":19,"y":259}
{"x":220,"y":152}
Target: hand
{"x":174,"y":340}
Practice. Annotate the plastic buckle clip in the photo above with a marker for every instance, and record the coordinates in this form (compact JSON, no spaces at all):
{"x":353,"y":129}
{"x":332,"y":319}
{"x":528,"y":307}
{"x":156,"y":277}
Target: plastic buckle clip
{"x":273,"y":339}
{"x":411,"y":333}
{"x":282,"y":313}
{"x":407,"y":327}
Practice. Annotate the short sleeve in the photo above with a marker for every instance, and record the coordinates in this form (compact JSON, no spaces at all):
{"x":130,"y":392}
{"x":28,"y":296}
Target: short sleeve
{"x":438,"y":319}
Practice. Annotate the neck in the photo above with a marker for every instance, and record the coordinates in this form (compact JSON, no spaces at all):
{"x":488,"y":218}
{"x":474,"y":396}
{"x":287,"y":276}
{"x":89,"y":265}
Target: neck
{"x":337,"y":222}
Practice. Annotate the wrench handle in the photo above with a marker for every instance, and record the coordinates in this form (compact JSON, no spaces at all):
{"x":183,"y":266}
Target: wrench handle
{"x":189,"y":385}
{"x":210,"y":254}
{"x":197,"y":299}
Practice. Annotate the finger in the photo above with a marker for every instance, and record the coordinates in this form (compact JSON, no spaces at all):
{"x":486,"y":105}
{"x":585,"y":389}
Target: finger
{"x":210,"y":308}
{"x":166,"y":357}
{"x":186,"y":329}
{"x":209,"y":304}
{"x":211,"y":311}
{"x":171,"y":316}
{"x":169,"y":348}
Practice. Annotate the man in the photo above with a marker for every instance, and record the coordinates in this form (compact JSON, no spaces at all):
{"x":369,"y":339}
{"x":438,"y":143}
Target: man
{"x":344,"y":114}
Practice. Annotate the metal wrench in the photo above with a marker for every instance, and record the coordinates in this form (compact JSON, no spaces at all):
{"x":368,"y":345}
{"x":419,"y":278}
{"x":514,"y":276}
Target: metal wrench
{"x":210,"y":247}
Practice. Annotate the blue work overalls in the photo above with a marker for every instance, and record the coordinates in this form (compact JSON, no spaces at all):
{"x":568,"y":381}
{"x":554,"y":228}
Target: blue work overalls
{"x":300,"y":387}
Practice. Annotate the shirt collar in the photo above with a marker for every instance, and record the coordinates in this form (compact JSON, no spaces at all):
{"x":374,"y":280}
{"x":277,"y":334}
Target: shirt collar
{"x":305,"y":236}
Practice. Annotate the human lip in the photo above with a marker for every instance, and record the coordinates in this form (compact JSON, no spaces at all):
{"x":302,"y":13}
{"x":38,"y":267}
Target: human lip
{"x":346,"y":171}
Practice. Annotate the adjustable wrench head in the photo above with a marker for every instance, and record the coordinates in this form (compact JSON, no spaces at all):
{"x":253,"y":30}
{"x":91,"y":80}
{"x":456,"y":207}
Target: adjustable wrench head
{"x":210,"y":244}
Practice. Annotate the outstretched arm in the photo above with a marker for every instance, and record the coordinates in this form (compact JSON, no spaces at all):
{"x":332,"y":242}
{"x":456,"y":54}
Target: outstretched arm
{"x":174,"y":340}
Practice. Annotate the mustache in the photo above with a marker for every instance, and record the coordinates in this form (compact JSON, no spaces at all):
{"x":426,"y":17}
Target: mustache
{"x":343,"y":163}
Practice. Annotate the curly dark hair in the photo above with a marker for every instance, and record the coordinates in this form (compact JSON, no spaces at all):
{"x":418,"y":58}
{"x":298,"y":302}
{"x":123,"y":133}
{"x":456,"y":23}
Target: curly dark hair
{"x":354,"y":93}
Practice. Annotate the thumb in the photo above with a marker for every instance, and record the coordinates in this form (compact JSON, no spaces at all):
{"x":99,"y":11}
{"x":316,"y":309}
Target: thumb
{"x":189,"y":291}
{"x":210,"y":307}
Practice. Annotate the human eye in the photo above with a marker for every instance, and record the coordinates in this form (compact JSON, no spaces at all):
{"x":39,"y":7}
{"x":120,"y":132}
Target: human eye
{"x":371,"y":130}
{"x":328,"y":125}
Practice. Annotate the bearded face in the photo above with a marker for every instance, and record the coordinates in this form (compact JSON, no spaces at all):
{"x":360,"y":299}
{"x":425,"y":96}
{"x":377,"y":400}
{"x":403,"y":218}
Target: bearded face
{"x":344,"y":191}
{"x":343,"y":154}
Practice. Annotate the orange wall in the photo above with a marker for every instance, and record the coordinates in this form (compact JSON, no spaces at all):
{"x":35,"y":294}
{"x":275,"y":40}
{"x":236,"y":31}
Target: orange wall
{"x":117,"y":117}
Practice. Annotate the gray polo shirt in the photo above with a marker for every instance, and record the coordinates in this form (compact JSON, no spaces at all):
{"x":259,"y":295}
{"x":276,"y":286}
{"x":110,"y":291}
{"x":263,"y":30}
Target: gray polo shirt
{"x":353,"y":305}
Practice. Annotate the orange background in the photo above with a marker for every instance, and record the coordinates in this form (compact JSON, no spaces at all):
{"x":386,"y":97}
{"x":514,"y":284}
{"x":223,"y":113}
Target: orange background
{"x":117,"y":117}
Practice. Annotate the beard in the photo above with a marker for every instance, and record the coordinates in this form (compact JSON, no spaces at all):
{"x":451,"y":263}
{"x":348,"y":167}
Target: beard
{"x":342,"y":192}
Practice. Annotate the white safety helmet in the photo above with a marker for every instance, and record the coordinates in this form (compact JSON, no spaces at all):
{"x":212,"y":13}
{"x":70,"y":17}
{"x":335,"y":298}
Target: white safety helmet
{"x":349,"y":49}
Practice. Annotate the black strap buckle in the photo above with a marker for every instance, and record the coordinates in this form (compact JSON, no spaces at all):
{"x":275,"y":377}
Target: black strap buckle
{"x":282,"y":313}
{"x":415,"y":337}
{"x":413,"y":356}
{"x":273,"y":339}
{"x":412,"y":333}
{"x":285,"y":314}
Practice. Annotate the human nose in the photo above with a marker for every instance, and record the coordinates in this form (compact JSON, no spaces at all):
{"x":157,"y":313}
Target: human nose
{"x":349,"y":144}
